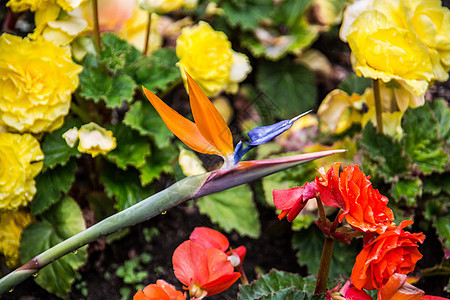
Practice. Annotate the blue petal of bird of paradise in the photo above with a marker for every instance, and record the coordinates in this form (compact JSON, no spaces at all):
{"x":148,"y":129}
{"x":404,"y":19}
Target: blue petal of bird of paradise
{"x":263,"y":134}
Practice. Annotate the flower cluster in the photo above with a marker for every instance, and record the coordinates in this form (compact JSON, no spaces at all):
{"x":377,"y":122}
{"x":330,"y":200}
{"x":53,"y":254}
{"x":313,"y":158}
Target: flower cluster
{"x":20,"y":162}
{"x":207,"y":56}
{"x":37,"y":81}
{"x":388,"y":249}
{"x":405,"y":41}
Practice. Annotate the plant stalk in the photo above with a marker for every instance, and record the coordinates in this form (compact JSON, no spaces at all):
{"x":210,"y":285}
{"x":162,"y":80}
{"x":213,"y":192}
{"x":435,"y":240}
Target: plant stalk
{"x":147,"y":35}
{"x":98,"y":41}
{"x":324,"y":268}
{"x":378,"y":108}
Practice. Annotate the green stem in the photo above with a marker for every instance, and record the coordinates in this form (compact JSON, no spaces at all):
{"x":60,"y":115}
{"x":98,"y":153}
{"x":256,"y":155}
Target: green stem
{"x":81,"y":113}
{"x":98,"y":42}
{"x":378,"y":109}
{"x":144,"y":210}
{"x":147,"y":35}
{"x":324,"y":268}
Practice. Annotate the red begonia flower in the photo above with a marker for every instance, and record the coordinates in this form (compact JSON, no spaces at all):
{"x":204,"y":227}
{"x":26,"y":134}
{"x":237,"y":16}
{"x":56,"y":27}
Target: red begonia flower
{"x":364,"y":208}
{"x":291,"y":201}
{"x":159,"y":291}
{"x":396,"y":288}
{"x":205,"y":271}
{"x":348,"y":292}
{"x":394,"y":251}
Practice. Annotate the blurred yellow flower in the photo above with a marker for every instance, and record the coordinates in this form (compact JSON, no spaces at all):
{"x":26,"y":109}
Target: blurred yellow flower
{"x":20,"y":161}
{"x":37,"y":80}
{"x":431,"y":22}
{"x":12,"y":225}
{"x":95,"y":140}
{"x":339,"y":110}
{"x":207,"y":56}
{"x":190,"y":163}
{"x":33,"y":5}
{"x":160,"y":6}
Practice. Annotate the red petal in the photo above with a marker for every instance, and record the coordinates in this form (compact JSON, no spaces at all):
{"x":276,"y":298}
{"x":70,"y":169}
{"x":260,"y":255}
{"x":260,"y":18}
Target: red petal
{"x":190,"y":263}
{"x":221,"y":283}
{"x":209,"y":238}
{"x":286,"y":199}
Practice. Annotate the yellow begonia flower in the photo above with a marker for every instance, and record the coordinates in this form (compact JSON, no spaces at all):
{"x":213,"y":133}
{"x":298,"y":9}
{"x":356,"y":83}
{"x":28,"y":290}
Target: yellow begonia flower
{"x":431,"y":22}
{"x":339,"y":110}
{"x":71,"y":137}
{"x":384,"y":51}
{"x":95,"y":140}
{"x":20,"y":162}
{"x":190,"y":163}
{"x":12,"y":225}
{"x":160,"y":6}
{"x":37,"y":80}
{"x":207,"y":56}
{"x":34,"y":5}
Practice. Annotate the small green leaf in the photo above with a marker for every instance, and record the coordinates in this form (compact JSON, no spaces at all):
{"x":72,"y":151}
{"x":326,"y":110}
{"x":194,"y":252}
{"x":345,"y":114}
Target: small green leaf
{"x":288,"y":88}
{"x":160,"y":161}
{"x":247,"y":13}
{"x":309,"y":243}
{"x":116,"y":53}
{"x":97,"y":85}
{"x":422,"y":141}
{"x":156,"y":72}
{"x":124,"y":186}
{"x":232,"y":209}
{"x":291,"y":12}
{"x":51,"y":185}
{"x":55,"y":148}
{"x":144,"y":118}
{"x":387,"y":153}
{"x":62,"y":221}
{"x":132,"y":149}
{"x":437,"y":183}
{"x":277,"y":284}
{"x":407,"y":189}
{"x":441,"y":112}
{"x":354,"y":84}
{"x":442,"y":225}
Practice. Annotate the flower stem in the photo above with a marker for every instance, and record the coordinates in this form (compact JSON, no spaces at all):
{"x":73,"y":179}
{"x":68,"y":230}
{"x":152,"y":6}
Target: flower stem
{"x":147,"y":35}
{"x":98,"y":41}
{"x":324,"y":268}
{"x":244,"y":279}
{"x":378,"y":109}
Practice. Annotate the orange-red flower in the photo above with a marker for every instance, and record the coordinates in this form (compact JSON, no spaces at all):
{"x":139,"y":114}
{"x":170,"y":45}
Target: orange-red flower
{"x":364,"y":208}
{"x":212,"y":238}
{"x":291,"y":201}
{"x":394,"y":251}
{"x":159,"y":291}
{"x":205,"y":271}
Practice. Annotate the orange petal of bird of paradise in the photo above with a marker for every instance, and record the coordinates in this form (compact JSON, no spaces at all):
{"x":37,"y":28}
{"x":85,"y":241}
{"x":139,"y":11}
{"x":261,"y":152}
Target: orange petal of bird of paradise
{"x":209,"y":135}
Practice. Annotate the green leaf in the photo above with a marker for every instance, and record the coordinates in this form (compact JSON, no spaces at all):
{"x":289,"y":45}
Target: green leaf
{"x":422,"y":141}
{"x":309,"y":244}
{"x":97,"y":85}
{"x":437,"y":183}
{"x":232,"y":209}
{"x":51,"y":185}
{"x":290,"y":12}
{"x":116,"y":53}
{"x":408,"y":189}
{"x":442,"y":225}
{"x":132,"y":149}
{"x":277,"y":285}
{"x":156,"y":72}
{"x":289,"y":89}
{"x":62,"y":221}
{"x":124,"y":186}
{"x":387,"y":153}
{"x":55,"y":148}
{"x":354,"y":84}
{"x":247,"y":13}
{"x":143,"y":117}
{"x":160,"y":161}
{"x":441,"y":113}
